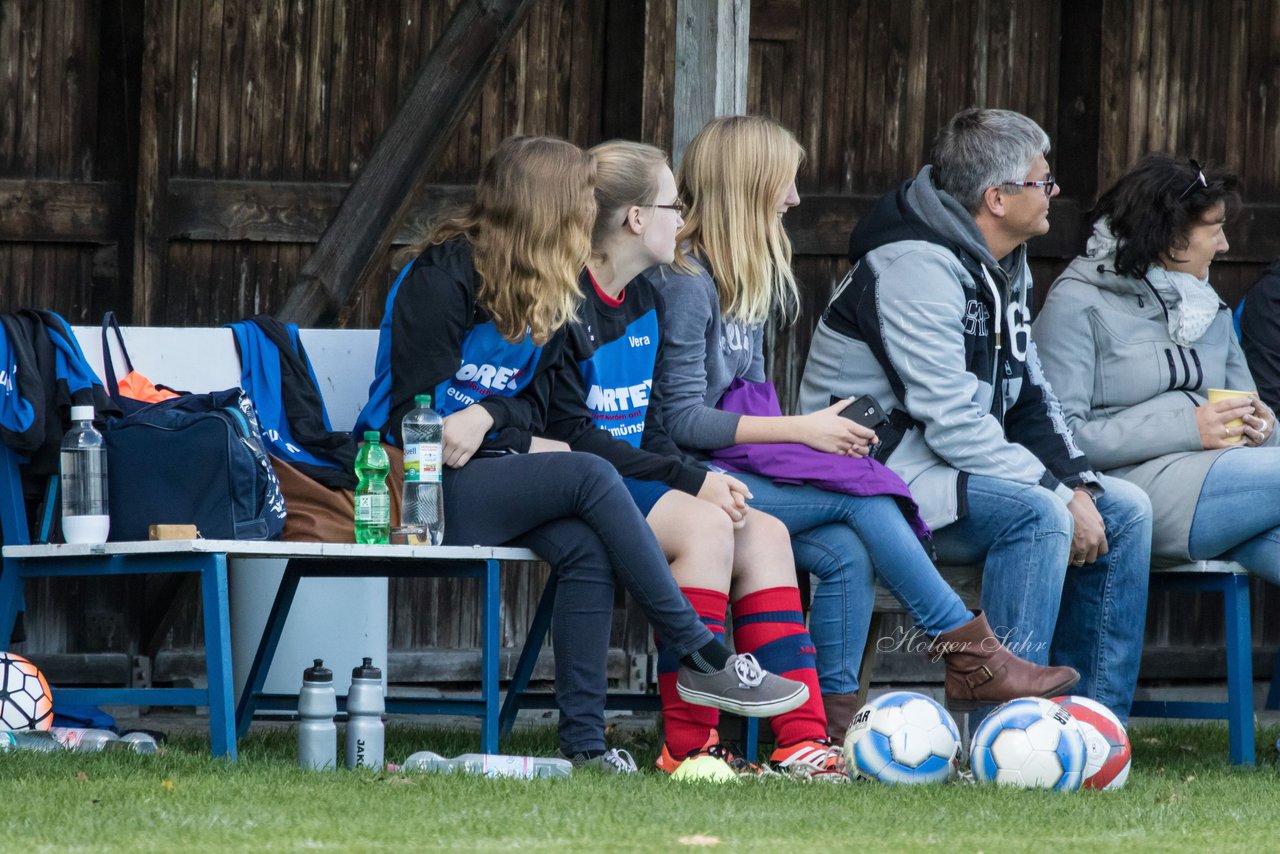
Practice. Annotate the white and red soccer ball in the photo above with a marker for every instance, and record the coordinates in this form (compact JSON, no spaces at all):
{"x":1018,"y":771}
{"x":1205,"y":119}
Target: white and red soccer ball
{"x":25,"y":699}
{"x":1108,"y":753}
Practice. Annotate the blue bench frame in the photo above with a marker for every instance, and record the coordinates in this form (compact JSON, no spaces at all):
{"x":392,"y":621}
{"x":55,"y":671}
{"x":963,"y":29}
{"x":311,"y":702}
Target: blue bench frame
{"x":82,"y":561}
{"x":1233,"y":585}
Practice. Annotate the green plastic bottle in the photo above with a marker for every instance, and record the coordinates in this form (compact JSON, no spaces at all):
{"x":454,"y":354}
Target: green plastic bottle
{"x":373,"y":502}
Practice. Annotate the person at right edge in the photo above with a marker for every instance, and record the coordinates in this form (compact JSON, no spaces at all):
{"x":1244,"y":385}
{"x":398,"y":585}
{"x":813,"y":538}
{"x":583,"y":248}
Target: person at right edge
{"x":934,"y":321}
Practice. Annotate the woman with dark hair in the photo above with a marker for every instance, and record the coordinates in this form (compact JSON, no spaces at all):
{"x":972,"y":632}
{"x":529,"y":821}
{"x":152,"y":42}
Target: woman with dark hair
{"x":1133,"y":338}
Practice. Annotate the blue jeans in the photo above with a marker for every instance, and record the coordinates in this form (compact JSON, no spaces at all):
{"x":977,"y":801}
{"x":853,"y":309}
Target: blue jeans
{"x":1238,"y":512}
{"x":1088,"y":617}
{"x":845,"y":542}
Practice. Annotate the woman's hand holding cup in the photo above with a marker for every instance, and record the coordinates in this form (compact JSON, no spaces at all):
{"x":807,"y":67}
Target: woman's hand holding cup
{"x":1221,"y":420}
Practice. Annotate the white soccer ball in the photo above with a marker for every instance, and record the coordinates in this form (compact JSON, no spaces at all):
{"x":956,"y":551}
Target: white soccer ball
{"x":1106,"y":743}
{"x":1030,"y":743}
{"x":25,"y":699}
{"x":902,"y":737}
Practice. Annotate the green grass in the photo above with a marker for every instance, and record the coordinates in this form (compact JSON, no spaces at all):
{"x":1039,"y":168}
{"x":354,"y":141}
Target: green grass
{"x":1182,"y":793}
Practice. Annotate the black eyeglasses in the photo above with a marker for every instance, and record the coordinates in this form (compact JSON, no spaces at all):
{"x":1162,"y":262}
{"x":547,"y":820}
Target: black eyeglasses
{"x":1048,"y":184}
{"x":677,"y":206}
{"x":1200,"y":180}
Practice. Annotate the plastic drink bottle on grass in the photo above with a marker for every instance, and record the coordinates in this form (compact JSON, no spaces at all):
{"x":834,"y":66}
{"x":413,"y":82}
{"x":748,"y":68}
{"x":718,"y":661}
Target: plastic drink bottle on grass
{"x":317,"y":705}
{"x":373,"y":502}
{"x":422,"y":509}
{"x":365,"y":705}
{"x":99,"y":740}
{"x":29,"y":739}
{"x":490,"y":765}
{"x":82,"y":465}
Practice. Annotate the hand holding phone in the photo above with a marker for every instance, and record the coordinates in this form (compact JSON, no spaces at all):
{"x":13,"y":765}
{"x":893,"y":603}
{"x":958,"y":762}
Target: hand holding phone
{"x":865,"y":411}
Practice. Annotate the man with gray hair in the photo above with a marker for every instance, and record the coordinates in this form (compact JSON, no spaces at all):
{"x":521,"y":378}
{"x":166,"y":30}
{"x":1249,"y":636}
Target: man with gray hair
{"x":934,"y":321}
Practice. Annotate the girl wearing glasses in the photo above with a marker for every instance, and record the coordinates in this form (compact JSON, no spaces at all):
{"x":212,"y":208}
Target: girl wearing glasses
{"x":475,"y":318}
{"x":606,"y":401}
{"x":1152,"y":381}
{"x":732,"y":268}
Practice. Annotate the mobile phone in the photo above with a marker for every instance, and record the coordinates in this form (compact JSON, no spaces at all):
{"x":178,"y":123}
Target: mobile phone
{"x":865,"y":411}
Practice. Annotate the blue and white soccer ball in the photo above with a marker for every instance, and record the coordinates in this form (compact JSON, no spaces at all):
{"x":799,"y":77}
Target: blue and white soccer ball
{"x":1030,"y":743}
{"x":902,"y":737}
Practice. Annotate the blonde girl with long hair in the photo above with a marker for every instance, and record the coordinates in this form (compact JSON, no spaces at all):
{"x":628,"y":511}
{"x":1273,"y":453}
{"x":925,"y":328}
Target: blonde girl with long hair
{"x":732,"y":271}
{"x":605,"y":401}
{"x":475,"y":320}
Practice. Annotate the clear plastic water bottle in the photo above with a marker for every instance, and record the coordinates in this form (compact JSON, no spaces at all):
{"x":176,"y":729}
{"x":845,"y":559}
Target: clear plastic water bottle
{"x":29,"y":739}
{"x":83,"y":740}
{"x":83,"y":471}
{"x":422,"y":432}
{"x":490,"y":765}
{"x":98,"y":740}
{"x":138,"y":742}
{"x":317,"y":706}
{"x":373,"y":502}
{"x":365,"y":706}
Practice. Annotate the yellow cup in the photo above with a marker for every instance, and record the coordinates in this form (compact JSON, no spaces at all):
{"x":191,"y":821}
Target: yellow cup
{"x":1217,"y":394}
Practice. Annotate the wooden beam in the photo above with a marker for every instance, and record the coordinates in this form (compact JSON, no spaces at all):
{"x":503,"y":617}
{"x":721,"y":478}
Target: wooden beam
{"x":284,"y":211}
{"x":711,"y":65}
{"x":351,"y":250}
{"x":820,"y":225}
{"x":40,"y":211}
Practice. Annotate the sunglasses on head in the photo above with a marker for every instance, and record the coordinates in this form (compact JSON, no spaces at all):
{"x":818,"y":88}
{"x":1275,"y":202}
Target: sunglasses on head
{"x":1200,"y":180}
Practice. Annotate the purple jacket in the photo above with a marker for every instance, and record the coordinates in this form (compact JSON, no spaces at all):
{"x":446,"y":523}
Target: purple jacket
{"x":787,"y":462}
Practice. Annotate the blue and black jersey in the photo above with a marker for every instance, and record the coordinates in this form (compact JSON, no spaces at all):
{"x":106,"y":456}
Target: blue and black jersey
{"x":436,"y":339}
{"x":607,"y":381}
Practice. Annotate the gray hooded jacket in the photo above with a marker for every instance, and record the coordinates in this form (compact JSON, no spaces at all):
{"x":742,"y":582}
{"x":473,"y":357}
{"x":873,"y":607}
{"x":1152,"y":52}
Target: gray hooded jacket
{"x":1130,"y":393}
{"x":940,"y":332}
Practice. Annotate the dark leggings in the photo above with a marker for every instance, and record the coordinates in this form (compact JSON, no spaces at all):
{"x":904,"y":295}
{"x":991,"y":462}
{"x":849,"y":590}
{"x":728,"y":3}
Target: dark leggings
{"x":573,"y":510}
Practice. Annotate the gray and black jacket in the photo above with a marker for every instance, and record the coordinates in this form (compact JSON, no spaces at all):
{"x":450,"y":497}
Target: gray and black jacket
{"x":933,"y":326}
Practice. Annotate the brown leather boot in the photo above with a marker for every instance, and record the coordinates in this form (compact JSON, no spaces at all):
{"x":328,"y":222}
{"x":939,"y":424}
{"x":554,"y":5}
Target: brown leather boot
{"x":840,"y":709}
{"x":981,"y":671}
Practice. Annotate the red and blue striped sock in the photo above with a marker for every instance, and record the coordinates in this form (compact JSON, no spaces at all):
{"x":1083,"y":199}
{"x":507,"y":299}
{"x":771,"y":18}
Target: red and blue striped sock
{"x":769,"y":624}
{"x":685,"y":726}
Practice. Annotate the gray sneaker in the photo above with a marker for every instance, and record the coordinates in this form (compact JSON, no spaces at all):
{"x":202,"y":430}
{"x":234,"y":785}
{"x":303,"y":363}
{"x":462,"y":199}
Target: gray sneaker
{"x":742,"y":687}
{"x":612,"y":761}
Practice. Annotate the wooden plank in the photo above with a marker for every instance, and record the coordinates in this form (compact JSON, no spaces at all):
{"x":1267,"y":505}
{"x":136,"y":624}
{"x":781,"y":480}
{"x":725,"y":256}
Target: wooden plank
{"x":1138,"y":83}
{"x":1077,"y":144}
{"x":319,"y":73}
{"x":50,"y":211}
{"x":150,"y":253}
{"x":659,"y":74}
{"x":711,"y":65}
{"x":376,"y":205}
{"x":10,"y":83}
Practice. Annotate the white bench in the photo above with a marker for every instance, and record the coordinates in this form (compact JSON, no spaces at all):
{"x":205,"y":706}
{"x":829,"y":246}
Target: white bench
{"x":205,"y":360}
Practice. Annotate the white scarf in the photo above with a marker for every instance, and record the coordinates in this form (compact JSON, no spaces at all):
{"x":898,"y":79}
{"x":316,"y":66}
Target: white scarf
{"x":1192,"y":303}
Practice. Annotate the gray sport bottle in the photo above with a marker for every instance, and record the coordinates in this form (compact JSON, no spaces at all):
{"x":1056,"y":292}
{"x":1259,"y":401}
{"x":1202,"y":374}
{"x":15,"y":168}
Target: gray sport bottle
{"x":317,"y":733}
{"x":365,"y":706}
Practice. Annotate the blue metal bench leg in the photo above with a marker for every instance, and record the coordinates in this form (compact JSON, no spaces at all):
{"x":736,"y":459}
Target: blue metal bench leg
{"x":1239,"y":670}
{"x":217,"y":641}
{"x":752,"y":747}
{"x":10,"y":602}
{"x":528,"y":656}
{"x":1273,"y":693}
{"x":266,"y":650}
{"x":489,"y":657}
